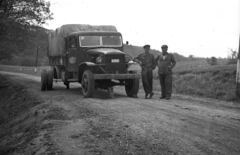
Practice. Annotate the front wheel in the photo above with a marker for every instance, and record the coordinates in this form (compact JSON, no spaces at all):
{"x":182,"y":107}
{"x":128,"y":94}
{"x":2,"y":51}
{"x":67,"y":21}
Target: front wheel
{"x":132,"y":87}
{"x":88,"y":84}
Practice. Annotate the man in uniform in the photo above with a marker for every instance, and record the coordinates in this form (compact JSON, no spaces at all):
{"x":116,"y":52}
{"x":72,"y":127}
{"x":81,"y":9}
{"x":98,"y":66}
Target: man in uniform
{"x":165,"y":63}
{"x":148,"y":63}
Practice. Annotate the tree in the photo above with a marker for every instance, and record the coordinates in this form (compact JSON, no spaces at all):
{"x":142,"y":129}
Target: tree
{"x":212,"y":61}
{"x":238,"y":73}
{"x":19,"y":21}
{"x":232,"y":56}
{"x":191,"y":56}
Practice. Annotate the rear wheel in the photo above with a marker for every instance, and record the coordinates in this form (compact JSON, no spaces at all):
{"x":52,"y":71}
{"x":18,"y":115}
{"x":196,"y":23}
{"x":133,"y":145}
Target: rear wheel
{"x":132,"y":87}
{"x":44,"y":79}
{"x":88,"y":84}
{"x":50,"y":80}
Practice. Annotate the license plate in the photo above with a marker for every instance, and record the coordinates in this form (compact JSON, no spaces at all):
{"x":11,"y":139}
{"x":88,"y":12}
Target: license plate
{"x":115,"y":60}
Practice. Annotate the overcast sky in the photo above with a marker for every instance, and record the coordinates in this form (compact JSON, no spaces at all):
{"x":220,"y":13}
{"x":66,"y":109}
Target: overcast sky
{"x":203,"y":28}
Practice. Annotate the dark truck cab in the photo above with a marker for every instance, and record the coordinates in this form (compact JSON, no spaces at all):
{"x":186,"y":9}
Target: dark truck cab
{"x":94,"y":58}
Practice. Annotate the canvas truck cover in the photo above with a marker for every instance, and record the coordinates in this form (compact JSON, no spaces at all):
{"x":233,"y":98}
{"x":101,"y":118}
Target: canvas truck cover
{"x":56,"y":38}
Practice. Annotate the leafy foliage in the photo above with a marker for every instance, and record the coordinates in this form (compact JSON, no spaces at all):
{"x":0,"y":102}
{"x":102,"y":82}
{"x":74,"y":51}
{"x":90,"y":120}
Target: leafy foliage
{"x":232,"y":56}
{"x":19,"y":23}
{"x":27,"y":57}
{"x":212,"y":61}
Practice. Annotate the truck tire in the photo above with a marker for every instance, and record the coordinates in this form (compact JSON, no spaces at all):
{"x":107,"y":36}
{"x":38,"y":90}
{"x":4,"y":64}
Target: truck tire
{"x":44,"y":79}
{"x":50,"y":80}
{"x":132,"y":87}
{"x":88,"y":84}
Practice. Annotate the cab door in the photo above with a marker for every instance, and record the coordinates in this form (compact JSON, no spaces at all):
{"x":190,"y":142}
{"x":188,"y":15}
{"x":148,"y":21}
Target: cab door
{"x":75,"y":56}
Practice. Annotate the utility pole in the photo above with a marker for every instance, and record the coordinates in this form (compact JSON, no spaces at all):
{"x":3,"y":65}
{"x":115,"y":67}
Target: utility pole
{"x":238,"y":74}
{"x":36,"y":60}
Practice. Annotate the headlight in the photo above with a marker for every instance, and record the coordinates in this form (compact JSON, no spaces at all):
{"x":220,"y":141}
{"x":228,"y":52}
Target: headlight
{"x":127,"y":58}
{"x":99,"y":59}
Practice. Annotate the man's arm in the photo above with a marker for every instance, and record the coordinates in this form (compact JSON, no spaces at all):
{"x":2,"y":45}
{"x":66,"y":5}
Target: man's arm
{"x":138,"y":59}
{"x":156,"y":60}
{"x":153,"y":62}
{"x":173,"y":61}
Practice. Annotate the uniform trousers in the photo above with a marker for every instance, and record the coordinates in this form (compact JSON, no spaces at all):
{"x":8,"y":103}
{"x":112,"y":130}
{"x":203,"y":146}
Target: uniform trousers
{"x":147,"y":79}
{"x":166,"y":84}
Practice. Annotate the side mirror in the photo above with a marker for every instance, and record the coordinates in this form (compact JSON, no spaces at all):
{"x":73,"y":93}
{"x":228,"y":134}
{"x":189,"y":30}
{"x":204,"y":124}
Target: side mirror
{"x":127,"y":42}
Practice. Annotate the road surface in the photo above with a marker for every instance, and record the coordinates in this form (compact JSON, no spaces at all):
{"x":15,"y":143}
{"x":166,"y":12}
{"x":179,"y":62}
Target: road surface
{"x":99,"y":125}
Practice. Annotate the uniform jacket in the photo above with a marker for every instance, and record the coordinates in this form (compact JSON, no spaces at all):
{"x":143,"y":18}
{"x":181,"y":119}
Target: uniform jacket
{"x":148,"y":60}
{"x":165,"y":65}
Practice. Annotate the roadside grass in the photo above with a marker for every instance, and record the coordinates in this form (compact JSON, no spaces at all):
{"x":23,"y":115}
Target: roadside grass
{"x":24,"y":69}
{"x":201,"y":66}
{"x":25,"y":61}
{"x":216,"y":84}
{"x":216,"y":81}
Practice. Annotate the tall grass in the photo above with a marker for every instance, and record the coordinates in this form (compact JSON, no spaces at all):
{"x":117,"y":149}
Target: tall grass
{"x":219,"y":85}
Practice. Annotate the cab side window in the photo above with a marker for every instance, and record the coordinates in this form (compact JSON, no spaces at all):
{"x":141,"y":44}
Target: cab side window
{"x":65,"y":44}
{"x":72,"y":42}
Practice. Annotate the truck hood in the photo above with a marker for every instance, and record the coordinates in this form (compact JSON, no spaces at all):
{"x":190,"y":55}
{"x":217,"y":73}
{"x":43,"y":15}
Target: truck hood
{"x":104,"y":51}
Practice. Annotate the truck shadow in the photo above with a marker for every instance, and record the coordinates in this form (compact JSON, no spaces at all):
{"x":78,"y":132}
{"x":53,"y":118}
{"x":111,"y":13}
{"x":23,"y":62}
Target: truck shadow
{"x":77,"y":90}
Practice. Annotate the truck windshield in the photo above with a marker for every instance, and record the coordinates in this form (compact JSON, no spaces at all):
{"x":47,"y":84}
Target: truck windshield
{"x":91,"y":41}
{"x":111,"y":41}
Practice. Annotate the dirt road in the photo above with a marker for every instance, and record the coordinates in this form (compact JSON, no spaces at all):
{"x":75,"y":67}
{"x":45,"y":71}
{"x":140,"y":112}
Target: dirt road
{"x":123,"y":125}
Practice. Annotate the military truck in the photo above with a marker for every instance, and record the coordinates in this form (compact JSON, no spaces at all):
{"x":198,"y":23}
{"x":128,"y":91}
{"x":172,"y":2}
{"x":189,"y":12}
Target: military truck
{"x":90,"y":55}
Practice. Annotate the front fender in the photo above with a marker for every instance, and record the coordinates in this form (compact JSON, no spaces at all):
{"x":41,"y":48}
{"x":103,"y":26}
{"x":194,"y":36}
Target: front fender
{"x":85,"y":66}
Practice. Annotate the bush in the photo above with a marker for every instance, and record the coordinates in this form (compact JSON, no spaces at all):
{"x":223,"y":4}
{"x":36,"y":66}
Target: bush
{"x":212,"y":61}
{"x":231,"y":61}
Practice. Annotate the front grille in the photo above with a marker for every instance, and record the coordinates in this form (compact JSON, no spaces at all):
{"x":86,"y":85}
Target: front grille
{"x":115,"y":68}
{"x":112,"y":64}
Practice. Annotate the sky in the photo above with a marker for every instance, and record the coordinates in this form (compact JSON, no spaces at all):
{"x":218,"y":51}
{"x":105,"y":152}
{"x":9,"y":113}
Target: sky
{"x":203,"y":28}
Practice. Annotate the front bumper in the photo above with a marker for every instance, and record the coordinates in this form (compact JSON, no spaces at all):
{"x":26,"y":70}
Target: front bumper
{"x":116,"y":76}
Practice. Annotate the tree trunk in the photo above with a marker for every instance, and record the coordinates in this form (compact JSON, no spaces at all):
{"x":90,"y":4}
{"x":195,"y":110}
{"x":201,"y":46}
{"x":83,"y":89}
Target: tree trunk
{"x":238,"y":74}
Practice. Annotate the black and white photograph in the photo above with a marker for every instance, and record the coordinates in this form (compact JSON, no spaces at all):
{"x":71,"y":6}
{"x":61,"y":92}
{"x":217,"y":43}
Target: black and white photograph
{"x":119,"y":77}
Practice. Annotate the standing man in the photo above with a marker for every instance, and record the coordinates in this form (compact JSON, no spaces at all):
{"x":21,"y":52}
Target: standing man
{"x":165,"y":63}
{"x":148,"y":63}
